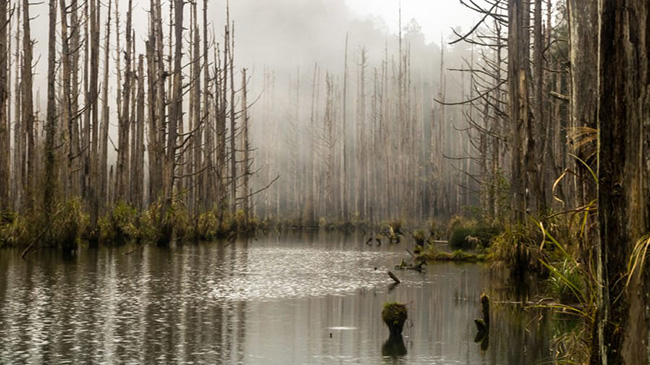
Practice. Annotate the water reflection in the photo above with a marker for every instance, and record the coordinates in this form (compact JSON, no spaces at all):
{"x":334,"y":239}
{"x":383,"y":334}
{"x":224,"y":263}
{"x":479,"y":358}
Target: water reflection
{"x":312,"y":298}
{"x":394,"y":347}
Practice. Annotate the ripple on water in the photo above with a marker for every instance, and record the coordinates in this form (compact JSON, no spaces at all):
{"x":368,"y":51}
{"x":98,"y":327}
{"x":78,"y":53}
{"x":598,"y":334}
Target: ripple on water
{"x":278,"y":273}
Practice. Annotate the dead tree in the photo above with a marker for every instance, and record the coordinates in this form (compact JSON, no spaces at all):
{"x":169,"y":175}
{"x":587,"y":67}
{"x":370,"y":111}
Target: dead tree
{"x":50,"y":179}
{"x":28,"y":109}
{"x":519,"y":102}
{"x":124,"y":117}
{"x":5,"y":156}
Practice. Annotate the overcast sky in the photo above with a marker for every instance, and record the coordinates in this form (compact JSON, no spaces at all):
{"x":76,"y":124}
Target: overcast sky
{"x":435,"y":16}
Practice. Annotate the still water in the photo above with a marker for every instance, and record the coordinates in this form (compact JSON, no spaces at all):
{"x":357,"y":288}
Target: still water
{"x":280,"y":299}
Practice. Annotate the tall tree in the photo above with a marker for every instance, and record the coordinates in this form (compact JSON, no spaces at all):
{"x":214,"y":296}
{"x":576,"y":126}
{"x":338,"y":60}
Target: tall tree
{"x":176,"y":113}
{"x":4,"y":99}
{"x":124,"y":123}
{"x":624,"y":184}
{"x":92,"y":96}
{"x":28,"y":108}
{"x":51,"y":118}
{"x":103,"y":160}
{"x":519,"y":104}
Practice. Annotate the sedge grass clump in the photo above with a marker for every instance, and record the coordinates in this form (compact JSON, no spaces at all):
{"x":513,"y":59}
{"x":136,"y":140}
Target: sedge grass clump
{"x":13,"y":229}
{"x":120,"y":225}
{"x":468,"y":234}
{"x":177,"y":219}
{"x":394,"y":315}
{"x":436,"y":231}
{"x":207,"y":226}
{"x":419,"y":237}
{"x":518,"y":248}
{"x":565,"y":283}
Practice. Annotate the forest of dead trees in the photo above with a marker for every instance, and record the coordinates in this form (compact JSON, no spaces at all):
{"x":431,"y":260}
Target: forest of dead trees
{"x":421,"y":132}
{"x":172,"y":132}
{"x":547,"y":114}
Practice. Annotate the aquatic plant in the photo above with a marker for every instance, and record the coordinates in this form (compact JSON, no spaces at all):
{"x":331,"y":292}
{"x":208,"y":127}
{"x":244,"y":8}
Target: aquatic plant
{"x":466,"y":237}
{"x":207,"y":226}
{"x":68,"y":225}
{"x":518,"y":248}
{"x":432,"y":254}
{"x":565,"y":283}
{"x":120,"y":225}
{"x":13,"y":229}
{"x":419,"y":237}
{"x":394,"y":315}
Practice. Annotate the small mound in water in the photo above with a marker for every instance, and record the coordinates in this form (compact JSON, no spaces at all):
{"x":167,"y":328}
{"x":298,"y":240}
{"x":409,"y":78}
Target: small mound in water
{"x":394,"y":315}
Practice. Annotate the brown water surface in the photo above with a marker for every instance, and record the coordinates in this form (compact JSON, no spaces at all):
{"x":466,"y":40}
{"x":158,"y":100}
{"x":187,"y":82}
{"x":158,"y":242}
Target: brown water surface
{"x":280,"y":299}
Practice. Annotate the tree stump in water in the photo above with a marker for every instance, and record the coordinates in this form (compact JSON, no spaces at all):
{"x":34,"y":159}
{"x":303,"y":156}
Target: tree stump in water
{"x":394,"y":315}
{"x":483,"y":325}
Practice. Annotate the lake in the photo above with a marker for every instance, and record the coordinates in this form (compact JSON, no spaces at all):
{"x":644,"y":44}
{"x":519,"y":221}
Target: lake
{"x":294,"y":298}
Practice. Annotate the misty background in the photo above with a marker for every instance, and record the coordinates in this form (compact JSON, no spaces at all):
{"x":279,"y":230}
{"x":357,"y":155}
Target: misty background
{"x":294,"y":49}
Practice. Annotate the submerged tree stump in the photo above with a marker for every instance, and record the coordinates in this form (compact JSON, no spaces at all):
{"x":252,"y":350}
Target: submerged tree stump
{"x":394,"y":315}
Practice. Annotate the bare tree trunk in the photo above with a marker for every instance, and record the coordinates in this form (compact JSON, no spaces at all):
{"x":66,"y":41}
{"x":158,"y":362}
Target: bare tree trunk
{"x":5,"y":156}
{"x":221,"y":112}
{"x":92,"y":97}
{"x":539,"y":130}
{"x":344,"y":178}
{"x":137,"y":170}
{"x":233,"y":128}
{"x":156,"y":76}
{"x":19,"y":126}
{"x":28,"y":108}
{"x":624,"y":187}
{"x":51,"y":126}
{"x":67,"y":112}
{"x":518,"y":98}
{"x":583,"y":53}
{"x":122,"y":170}
{"x":175,"y":115}
{"x":245,"y":149}
{"x":103,"y":160}
{"x":196,"y":128}
{"x":209,"y":140}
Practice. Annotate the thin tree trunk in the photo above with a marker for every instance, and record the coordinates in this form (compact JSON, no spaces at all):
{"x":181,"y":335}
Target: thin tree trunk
{"x":124,"y":124}
{"x":51,"y":126}
{"x":94,"y":182}
{"x":245,"y":149}
{"x":28,"y":109}
{"x":5,"y":156}
{"x":103,"y":161}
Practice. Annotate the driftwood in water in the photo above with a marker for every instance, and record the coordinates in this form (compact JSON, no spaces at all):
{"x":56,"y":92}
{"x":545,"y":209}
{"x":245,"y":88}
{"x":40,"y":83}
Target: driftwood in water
{"x":392,"y":276}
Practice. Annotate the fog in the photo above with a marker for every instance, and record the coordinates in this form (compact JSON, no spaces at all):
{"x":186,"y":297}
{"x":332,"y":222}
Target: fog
{"x":342,"y":107}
